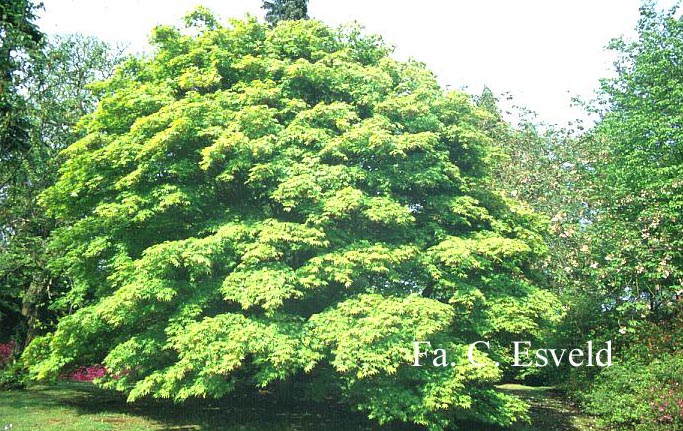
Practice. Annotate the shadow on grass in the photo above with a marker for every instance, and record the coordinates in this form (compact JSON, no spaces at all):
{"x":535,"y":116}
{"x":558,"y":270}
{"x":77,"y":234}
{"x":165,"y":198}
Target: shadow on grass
{"x":260,"y":412}
{"x":95,"y":409}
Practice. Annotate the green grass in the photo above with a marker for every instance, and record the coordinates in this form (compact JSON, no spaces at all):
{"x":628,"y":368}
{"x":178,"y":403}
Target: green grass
{"x":82,"y":407}
{"x":64,"y":408}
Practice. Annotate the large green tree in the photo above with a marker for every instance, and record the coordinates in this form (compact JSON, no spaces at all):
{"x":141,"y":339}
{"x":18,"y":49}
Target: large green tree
{"x":255,"y":205}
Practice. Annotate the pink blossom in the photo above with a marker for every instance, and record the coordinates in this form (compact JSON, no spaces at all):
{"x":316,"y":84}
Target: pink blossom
{"x":6,"y":352}
{"x":87,"y":374}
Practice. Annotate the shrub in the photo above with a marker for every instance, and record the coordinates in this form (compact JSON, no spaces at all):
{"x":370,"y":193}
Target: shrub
{"x":6,"y":351}
{"x":12,"y":373}
{"x":640,"y":396}
{"x":87,"y":374}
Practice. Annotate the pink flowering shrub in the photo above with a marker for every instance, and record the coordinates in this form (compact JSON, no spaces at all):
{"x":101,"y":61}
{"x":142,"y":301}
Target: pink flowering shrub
{"x":11,"y":372}
{"x":667,"y":406}
{"x":87,"y":374}
{"x":645,"y":396}
{"x":6,"y":350}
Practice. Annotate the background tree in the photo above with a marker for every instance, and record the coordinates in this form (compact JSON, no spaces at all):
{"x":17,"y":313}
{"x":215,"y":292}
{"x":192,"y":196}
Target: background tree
{"x":20,"y":42}
{"x":633,"y":245}
{"x":640,"y":174}
{"x":552,"y":170}
{"x":257,"y":205}
{"x":615,"y":198}
{"x":281,"y":10}
{"x":56,"y":96}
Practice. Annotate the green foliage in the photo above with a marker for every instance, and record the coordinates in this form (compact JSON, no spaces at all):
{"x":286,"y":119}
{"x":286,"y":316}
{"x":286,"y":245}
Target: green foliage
{"x":13,"y":376}
{"x":631,"y":250}
{"x":644,"y":390}
{"x":254,"y":205}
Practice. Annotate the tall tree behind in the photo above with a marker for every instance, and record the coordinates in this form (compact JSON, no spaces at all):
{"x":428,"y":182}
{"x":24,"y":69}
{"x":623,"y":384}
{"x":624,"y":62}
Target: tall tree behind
{"x":548,"y":168}
{"x":552,"y":170}
{"x":281,"y":10}
{"x":637,"y":239}
{"x":57,"y":94}
{"x":20,"y":42}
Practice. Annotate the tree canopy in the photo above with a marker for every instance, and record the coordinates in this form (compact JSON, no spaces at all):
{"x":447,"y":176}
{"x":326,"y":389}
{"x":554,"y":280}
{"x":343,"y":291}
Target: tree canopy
{"x":254,"y":205}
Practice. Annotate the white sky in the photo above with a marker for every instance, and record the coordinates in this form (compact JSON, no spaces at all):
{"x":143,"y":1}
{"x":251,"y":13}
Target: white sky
{"x":543,"y":52}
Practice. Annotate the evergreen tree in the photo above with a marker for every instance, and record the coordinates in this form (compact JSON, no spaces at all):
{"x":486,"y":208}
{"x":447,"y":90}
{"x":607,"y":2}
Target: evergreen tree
{"x":20,"y":42}
{"x":281,"y":10}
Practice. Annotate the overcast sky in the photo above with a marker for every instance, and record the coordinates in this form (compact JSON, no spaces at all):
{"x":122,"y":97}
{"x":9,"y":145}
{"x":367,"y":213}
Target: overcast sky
{"x":543,"y":52}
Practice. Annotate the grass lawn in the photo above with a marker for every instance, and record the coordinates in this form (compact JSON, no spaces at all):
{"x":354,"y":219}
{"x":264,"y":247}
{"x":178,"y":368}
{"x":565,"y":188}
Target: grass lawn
{"x":82,"y":407}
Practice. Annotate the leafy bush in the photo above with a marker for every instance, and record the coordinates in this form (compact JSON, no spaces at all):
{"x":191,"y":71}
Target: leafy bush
{"x":12,"y":373}
{"x":640,"y":396}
